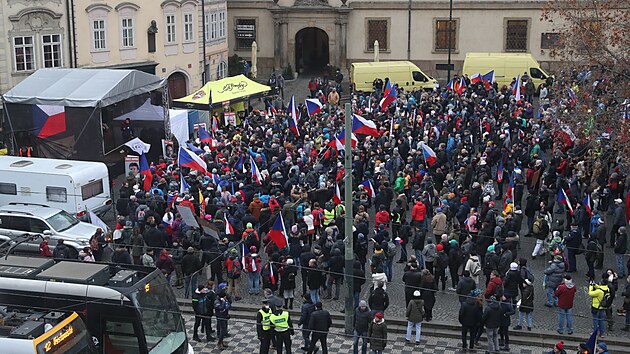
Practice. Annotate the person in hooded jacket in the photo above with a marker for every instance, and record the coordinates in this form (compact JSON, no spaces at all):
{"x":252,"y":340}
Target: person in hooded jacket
{"x":566,"y":295}
{"x":412,"y":279}
{"x":441,"y":262}
{"x":61,"y":251}
{"x":455,"y":257}
{"x":288,"y":273}
{"x":427,"y":291}
{"x":336,"y":264}
{"x":470,"y":316}
{"x":377,"y":333}
{"x":361,"y":322}
{"x":305,"y":315}
{"x":465,"y":286}
{"x":121,"y":255}
{"x":473,"y":267}
{"x":554,"y":274}
{"x":507,"y":311}
{"x":492,"y":318}
{"x":511,"y":282}
{"x":527,"y":305}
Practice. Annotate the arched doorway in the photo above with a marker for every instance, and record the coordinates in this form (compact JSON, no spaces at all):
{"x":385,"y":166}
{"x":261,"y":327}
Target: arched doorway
{"x":177,"y":86}
{"x":311,"y":50}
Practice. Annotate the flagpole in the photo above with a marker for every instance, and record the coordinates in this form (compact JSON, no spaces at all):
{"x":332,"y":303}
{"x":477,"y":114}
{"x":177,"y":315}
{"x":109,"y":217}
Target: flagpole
{"x":349,"y":255}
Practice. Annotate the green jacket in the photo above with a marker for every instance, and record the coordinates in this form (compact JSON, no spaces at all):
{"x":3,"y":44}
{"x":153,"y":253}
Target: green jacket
{"x":399,"y":185}
{"x":377,"y":332}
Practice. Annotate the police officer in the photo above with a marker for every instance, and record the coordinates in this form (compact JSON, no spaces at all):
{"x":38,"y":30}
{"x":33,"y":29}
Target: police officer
{"x":282,"y":327}
{"x":263,"y":326}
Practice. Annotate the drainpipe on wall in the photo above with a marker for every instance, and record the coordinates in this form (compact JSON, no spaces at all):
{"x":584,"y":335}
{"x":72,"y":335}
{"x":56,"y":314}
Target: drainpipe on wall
{"x":203,"y":31}
{"x":70,"y":20}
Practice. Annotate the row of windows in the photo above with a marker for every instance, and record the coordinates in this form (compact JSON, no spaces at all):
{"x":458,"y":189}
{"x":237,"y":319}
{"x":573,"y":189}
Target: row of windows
{"x":214,"y":25}
{"x":59,"y":194}
{"x":26,"y":57}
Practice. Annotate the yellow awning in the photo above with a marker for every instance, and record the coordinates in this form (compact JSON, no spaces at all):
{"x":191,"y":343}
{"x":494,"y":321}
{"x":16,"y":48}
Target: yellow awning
{"x":216,"y":93}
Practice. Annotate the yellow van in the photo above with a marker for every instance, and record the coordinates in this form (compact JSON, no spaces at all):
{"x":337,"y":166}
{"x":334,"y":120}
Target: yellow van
{"x":404,"y":73}
{"x":506,"y":66}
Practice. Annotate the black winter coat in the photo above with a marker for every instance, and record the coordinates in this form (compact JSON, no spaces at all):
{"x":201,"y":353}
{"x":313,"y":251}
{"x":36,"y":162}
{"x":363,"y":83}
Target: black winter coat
{"x":492,"y":315}
{"x":320,"y":321}
{"x":470,"y":313}
{"x":362,"y":319}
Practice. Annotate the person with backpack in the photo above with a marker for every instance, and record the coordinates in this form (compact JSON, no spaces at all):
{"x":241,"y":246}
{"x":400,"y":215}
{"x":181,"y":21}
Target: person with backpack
{"x":389,"y":246}
{"x":593,"y":249}
{"x":234,"y":267}
{"x":428,"y":254}
{"x":490,"y":263}
{"x":455,"y":257}
{"x":601,"y":300}
{"x":526,"y":306}
{"x":540,"y":230}
{"x":379,"y":299}
{"x":495,"y":286}
{"x":250,"y":237}
{"x":252,"y":268}
{"x":473,"y":267}
{"x":441,"y":262}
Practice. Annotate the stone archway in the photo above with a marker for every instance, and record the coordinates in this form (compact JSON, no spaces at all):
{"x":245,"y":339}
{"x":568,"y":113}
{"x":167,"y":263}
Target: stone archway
{"x":311,"y":50}
{"x":177,"y":85}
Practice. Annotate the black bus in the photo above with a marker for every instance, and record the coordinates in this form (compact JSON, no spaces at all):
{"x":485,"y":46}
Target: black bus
{"x":128,"y":309}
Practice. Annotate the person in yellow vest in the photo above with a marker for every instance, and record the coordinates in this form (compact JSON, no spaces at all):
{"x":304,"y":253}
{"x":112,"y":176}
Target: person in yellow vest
{"x":329,"y":214}
{"x":282,"y":327}
{"x":263,"y":326}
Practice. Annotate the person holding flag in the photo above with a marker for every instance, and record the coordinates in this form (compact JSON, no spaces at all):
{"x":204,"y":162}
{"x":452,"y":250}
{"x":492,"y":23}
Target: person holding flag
{"x":145,"y":171}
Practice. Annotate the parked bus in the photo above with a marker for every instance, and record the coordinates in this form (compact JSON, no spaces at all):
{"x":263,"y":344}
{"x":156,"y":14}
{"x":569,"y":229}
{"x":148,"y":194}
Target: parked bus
{"x":128,"y":309}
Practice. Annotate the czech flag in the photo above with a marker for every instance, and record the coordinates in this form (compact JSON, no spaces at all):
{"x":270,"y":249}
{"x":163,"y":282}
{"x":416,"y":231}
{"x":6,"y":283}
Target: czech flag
{"x":255,"y":173}
{"x":367,"y":185}
{"x":183,"y":186}
{"x":240,"y":164}
{"x":49,"y":120}
{"x":488,"y":79}
{"x":562,"y":198}
{"x":587,"y":205}
{"x":509,"y":194}
{"x":342,"y":140}
{"x":429,"y":155}
{"x":194,"y":149}
{"x":229,"y":230}
{"x":271,"y":275}
{"x":450,"y":86}
{"x":389,"y":95}
{"x":293,"y":120}
{"x":271,"y":109}
{"x":571,"y":96}
{"x":338,"y":145}
{"x":186,"y":158}
{"x":500,"y":172}
{"x":337,"y":196}
{"x":146,"y":172}
{"x":203,"y":135}
{"x":475,"y":78}
{"x":516,"y":90}
{"x":313,"y":106}
{"x":461,"y":86}
{"x":277,"y":233}
{"x":361,"y":125}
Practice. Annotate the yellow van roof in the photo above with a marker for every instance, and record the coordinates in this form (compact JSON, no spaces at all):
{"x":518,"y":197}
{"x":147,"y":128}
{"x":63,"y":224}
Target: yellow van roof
{"x":381,"y":64}
{"x":497,"y":55}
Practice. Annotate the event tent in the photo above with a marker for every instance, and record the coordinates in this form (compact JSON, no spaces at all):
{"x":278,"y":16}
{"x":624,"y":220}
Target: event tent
{"x":65,"y":113}
{"x":215,"y":94}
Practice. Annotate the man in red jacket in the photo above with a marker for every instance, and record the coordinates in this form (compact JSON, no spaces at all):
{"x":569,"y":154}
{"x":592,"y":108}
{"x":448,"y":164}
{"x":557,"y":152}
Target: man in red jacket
{"x":418,"y":214}
{"x":495,"y":286}
{"x":565,"y":294}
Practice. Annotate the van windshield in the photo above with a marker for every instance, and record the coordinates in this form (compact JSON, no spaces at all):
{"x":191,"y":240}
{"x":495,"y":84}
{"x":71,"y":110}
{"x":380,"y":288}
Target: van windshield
{"x":62,"y":221}
{"x":537,"y":73}
{"x":418,"y":76}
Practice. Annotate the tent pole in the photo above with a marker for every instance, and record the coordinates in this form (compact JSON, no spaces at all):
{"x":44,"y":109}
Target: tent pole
{"x":167,"y":120}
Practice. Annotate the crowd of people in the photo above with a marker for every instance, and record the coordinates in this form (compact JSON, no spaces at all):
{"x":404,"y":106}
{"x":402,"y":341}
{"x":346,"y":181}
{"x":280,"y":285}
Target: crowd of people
{"x":447,"y":183}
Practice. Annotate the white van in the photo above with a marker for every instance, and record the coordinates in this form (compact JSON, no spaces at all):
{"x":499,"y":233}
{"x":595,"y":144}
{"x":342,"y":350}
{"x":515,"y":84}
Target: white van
{"x":73,"y":186}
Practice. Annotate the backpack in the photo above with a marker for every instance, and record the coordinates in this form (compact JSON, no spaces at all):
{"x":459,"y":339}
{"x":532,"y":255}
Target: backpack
{"x":391,"y":249}
{"x":475,"y":270}
{"x":606,"y":301}
{"x":499,"y":291}
{"x":489,"y":264}
{"x":250,"y":239}
{"x":140,"y":215}
{"x":527,"y":274}
{"x":236,"y":270}
{"x":538,"y":225}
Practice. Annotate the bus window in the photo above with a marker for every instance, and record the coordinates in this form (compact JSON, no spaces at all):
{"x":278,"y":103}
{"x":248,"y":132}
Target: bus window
{"x":417,"y":76}
{"x":537,"y":73}
{"x":120,"y":337}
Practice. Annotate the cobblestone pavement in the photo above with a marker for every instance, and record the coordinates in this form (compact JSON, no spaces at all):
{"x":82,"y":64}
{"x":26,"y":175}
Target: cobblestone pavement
{"x":242,"y":340}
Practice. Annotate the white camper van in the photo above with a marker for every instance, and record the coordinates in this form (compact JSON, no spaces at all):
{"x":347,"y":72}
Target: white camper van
{"x":74,"y":186}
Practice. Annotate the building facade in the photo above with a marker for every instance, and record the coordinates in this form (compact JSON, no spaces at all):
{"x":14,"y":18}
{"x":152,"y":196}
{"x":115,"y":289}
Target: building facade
{"x":36,"y":35}
{"x":307,"y":34}
{"x":163,"y":38}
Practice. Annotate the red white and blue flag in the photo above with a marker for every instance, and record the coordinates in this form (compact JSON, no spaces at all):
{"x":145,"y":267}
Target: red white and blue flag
{"x":271,"y":109}
{"x":194,"y":149}
{"x":240,"y":164}
{"x":509,"y":194}
{"x":488,"y":79}
{"x":562,"y":198}
{"x":229,"y":230}
{"x":203,"y":135}
{"x":475,"y":78}
{"x":500,"y":172}
{"x":587,"y":205}
{"x":364,"y":126}
{"x":389,"y":95}
{"x":272,"y":276}
{"x":369,"y":188}
{"x":278,"y":234}
{"x":293,"y":119}
{"x":187,"y":158}
{"x":337,"y":196}
{"x":450,"y":86}
{"x":215,"y":178}
{"x":429,"y":154}
{"x":313,"y":106}
{"x":516,"y":90}
{"x":461,"y":86}
{"x":183,"y":186}
{"x":49,"y":120}
{"x":145,"y":170}
{"x":341,"y":138}
{"x":255,"y":173}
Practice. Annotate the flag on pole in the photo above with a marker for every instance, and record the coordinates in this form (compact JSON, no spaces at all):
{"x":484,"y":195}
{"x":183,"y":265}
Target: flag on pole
{"x":369,"y":188}
{"x":461,"y":86}
{"x":255,"y":173}
{"x":450,"y":86}
{"x":429,"y":154}
{"x":183,"y":186}
{"x":138,"y":146}
{"x":96,"y":221}
{"x":500,"y":172}
{"x":271,"y":109}
{"x":342,"y":140}
{"x":203,"y":135}
{"x":337,"y":196}
{"x":475,"y":78}
{"x":293,"y":119}
{"x":488,"y":79}
{"x":229,"y":229}
{"x":364,"y":126}
{"x":562,"y":198}
{"x":271,"y":275}
{"x":591,"y":343}
{"x":277,"y":233}
{"x":194,"y":149}
{"x":517,"y":88}
{"x":243,"y":254}
{"x":313,"y":106}
{"x":145,"y":170}
{"x":389,"y":95}
{"x":587,"y":205}
{"x":186,"y":158}
{"x":240,"y":164}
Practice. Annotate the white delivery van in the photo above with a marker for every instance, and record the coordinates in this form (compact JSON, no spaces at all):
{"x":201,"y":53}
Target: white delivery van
{"x":73,"y":186}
